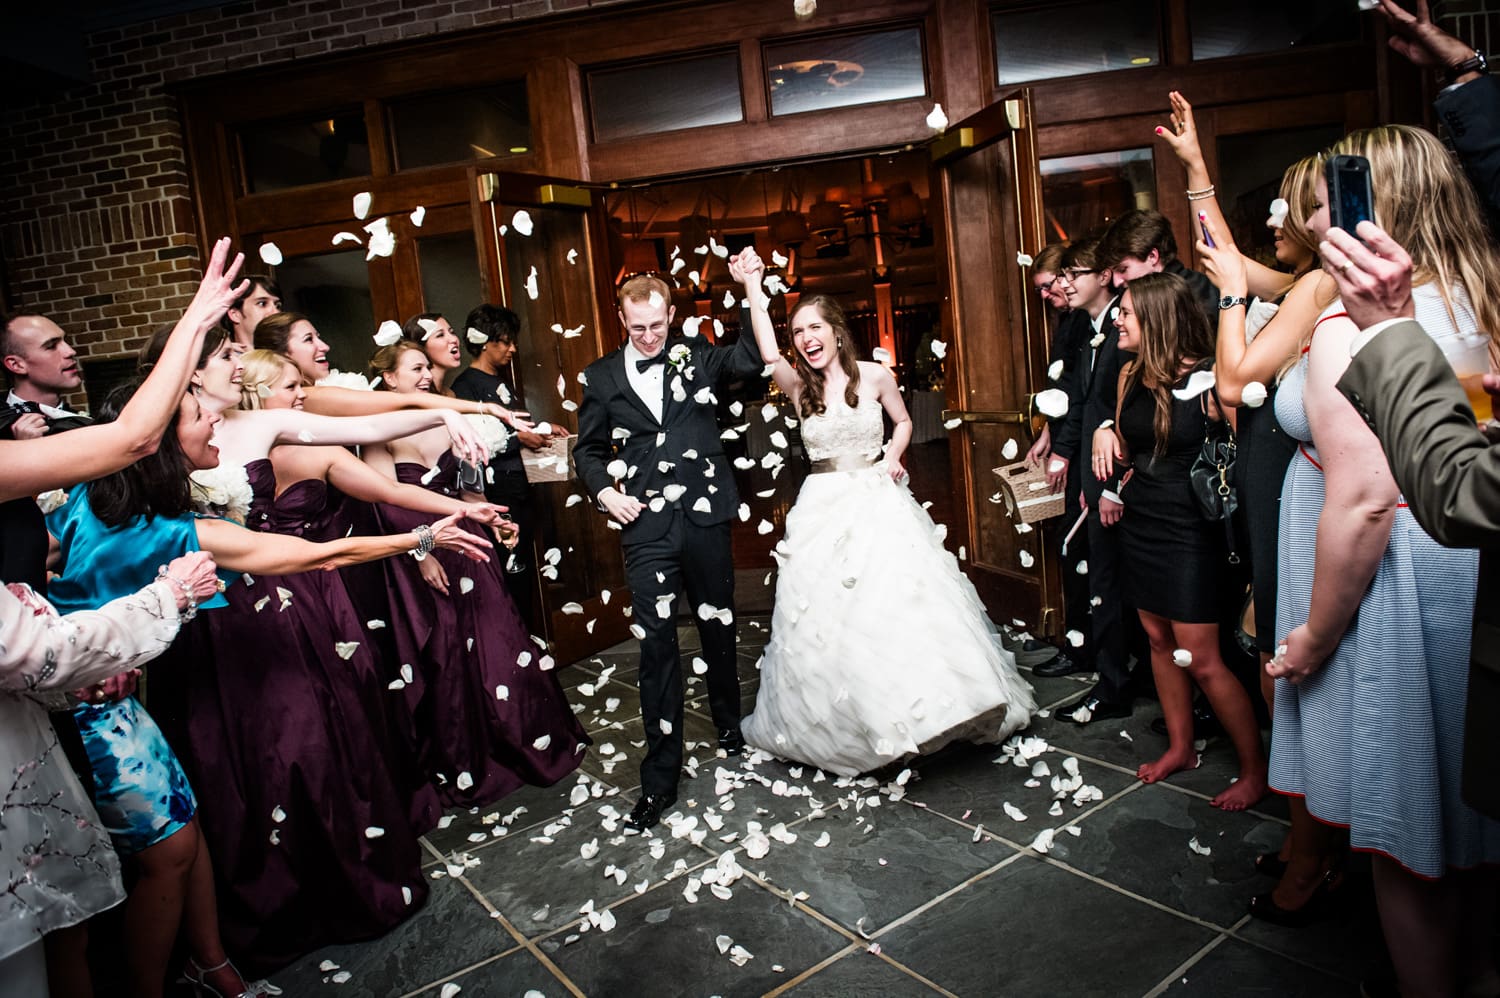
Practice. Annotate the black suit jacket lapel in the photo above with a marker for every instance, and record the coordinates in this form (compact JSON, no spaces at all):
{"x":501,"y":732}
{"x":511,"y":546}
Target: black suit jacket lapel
{"x":624,"y":387}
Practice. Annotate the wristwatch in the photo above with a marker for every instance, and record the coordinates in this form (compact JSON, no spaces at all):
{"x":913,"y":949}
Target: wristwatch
{"x":1476,"y":64}
{"x":1230,"y":301}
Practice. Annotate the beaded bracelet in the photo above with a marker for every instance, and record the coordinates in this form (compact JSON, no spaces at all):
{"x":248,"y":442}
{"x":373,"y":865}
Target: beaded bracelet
{"x":187,"y":591}
{"x":1202,"y":195}
{"x":425,"y":542}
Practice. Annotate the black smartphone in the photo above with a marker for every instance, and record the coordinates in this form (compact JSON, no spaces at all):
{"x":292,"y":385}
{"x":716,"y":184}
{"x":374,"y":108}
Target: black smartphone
{"x":470,"y":477}
{"x":1350,"y":200}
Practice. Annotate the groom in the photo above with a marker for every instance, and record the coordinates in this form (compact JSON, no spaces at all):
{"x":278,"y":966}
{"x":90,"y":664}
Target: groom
{"x":648,"y":450}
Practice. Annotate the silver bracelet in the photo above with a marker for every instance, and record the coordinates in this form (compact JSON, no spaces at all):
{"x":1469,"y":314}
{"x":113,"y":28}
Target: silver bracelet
{"x":425,"y":542}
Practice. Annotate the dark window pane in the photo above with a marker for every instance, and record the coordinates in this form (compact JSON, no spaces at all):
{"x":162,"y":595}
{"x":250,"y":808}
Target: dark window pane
{"x":665,"y":96}
{"x":1083,"y":194}
{"x":282,"y":154}
{"x":1222,"y":29}
{"x":454,"y":127}
{"x":450,"y":279}
{"x":333,"y":291}
{"x":1250,"y":169}
{"x":1075,"y":39}
{"x":841,"y":71}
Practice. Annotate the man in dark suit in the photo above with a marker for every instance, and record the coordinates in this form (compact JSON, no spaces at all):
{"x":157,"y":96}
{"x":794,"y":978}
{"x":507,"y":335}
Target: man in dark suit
{"x":1449,"y":473}
{"x":649,"y":451}
{"x":42,"y":368}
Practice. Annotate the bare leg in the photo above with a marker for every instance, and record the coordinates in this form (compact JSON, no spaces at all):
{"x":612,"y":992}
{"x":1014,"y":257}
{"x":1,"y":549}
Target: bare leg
{"x":1268,"y":694}
{"x":68,"y":962}
{"x":202,"y":926}
{"x":153,"y":912}
{"x":1231,"y":703}
{"x":1310,"y":853}
{"x":1176,"y":695}
{"x":1422,"y":927}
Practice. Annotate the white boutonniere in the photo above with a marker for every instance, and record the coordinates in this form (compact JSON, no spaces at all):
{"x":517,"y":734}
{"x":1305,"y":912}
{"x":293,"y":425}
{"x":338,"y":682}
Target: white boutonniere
{"x":223,"y":491}
{"x":1097,"y":341}
{"x":678,"y":356}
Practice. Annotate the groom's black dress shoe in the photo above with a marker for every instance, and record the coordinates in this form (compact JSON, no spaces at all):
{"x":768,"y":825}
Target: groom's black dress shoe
{"x":1062,"y":665}
{"x":647,"y":811}
{"x":731,"y":741}
{"x":1098,"y":709}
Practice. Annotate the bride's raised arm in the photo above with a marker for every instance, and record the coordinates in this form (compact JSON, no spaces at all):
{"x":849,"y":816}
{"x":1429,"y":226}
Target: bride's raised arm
{"x":747,"y":268}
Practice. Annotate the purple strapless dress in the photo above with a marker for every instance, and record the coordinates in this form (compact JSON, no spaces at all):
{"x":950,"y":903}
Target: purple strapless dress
{"x":292,"y":743}
{"x":489,"y":716}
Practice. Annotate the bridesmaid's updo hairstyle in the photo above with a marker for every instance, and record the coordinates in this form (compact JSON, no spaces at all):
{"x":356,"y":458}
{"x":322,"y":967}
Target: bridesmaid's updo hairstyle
{"x":263,"y":368}
{"x":1173,"y":330}
{"x":812,"y":403}
{"x":385,"y":361}
{"x":156,"y":485}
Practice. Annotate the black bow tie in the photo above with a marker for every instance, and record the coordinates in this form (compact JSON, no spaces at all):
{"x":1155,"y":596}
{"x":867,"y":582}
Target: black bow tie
{"x":660,"y":358}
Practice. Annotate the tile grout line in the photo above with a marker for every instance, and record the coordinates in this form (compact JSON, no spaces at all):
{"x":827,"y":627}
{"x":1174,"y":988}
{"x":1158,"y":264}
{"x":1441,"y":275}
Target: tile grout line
{"x":1127,"y":892}
{"x":1235,"y":934}
{"x":1186,"y":965}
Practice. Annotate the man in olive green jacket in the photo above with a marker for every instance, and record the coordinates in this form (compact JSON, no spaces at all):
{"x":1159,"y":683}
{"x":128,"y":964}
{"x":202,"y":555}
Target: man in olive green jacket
{"x":1448,"y":470}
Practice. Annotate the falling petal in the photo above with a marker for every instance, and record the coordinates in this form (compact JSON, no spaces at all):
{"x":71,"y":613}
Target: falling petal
{"x":346,"y":649}
{"x":361,"y":204}
{"x":573,"y":256}
{"x":1182,"y":658}
{"x":374,"y":832}
{"x":936,"y":119}
{"x":521,"y":222}
{"x":952,"y":424}
{"x":1279,"y":207}
{"x":1253,"y":395}
{"x":1055,"y":370}
{"x":532,"y":291}
{"x":417,"y":215}
{"x":541,"y":743}
{"x":389,"y":333}
{"x":466,"y":585}
{"x":429,"y":326}
{"x":1026,"y":559}
{"x":345,"y":237}
{"x":270,"y":254}
{"x":939,"y":349}
{"x":1198,"y":383}
{"x":1052,"y":403}
{"x":1075,"y":638}
{"x":1010,"y":450}
{"x":1198,"y":847}
{"x":502,"y":692}
{"x":382,"y":240}
{"x":1082,"y":568}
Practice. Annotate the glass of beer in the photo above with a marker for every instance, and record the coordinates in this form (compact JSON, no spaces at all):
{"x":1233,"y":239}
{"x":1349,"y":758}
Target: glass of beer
{"x":1470,"y":356}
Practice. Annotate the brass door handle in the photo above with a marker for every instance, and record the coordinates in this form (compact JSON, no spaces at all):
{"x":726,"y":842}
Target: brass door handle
{"x":987,"y":416}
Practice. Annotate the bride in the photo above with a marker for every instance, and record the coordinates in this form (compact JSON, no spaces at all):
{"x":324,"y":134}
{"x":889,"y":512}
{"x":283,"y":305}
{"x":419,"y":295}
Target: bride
{"x":880,"y":649}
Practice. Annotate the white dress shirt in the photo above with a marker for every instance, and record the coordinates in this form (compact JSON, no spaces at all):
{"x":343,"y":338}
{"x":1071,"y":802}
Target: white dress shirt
{"x":648,"y":384}
{"x":50,"y":411}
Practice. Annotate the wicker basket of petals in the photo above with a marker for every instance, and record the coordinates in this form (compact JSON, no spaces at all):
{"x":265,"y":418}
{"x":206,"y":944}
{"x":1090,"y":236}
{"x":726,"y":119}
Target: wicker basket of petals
{"x":1028,"y":497}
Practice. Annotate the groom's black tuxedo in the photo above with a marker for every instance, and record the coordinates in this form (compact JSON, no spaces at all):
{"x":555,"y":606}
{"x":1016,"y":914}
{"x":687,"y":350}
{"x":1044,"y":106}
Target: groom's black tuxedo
{"x":677,"y":465}
{"x":684,"y":448}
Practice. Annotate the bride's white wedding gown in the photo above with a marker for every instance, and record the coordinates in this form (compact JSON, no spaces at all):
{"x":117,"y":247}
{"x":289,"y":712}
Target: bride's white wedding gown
{"x":880,"y":648}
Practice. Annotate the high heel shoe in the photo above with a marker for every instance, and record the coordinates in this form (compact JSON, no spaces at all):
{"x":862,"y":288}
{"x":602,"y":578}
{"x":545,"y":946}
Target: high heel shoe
{"x":196,"y":975}
{"x":1317,"y":905}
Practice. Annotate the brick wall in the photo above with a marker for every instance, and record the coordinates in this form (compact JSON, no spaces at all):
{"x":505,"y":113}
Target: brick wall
{"x":96,"y":225}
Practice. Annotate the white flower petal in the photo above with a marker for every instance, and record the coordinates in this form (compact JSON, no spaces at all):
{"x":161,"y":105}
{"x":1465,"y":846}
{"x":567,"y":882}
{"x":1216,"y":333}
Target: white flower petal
{"x":542,"y":743}
{"x":1198,"y":383}
{"x":1052,"y":403}
{"x":1010,"y":450}
{"x":361,"y":204}
{"x":388,"y":333}
{"x":936,"y":119}
{"x":1253,"y":395}
{"x":270,"y":254}
{"x":1182,"y":658}
{"x":1024,"y":259}
{"x":521,"y":222}
{"x":417,"y":215}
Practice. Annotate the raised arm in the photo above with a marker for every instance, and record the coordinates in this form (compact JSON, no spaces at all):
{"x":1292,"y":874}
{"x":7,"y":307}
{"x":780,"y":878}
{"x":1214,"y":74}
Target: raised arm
{"x":747,"y":268}
{"x":1182,"y":137}
{"x":292,"y":426}
{"x":33,"y":466}
{"x":354,"y":477}
{"x":331,"y":401}
{"x":241,"y":550}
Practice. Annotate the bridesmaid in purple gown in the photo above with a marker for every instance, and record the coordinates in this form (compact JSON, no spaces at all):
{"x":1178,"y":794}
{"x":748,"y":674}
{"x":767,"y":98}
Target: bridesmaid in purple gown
{"x":492,"y":715}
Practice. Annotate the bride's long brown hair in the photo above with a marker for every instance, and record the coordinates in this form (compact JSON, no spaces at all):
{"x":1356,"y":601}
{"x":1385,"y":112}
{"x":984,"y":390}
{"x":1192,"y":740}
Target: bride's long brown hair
{"x":1173,"y":330}
{"x":812,"y":403}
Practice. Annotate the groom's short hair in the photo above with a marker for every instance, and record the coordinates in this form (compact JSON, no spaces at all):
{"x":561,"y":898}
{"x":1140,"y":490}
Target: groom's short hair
{"x":641,"y":286}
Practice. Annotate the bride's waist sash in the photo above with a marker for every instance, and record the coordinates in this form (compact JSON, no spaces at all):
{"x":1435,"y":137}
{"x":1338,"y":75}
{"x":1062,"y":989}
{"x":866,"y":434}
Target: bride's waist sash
{"x":842,"y":462}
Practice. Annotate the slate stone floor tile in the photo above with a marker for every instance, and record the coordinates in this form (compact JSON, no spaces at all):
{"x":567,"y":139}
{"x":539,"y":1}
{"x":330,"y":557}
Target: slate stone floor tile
{"x":671,"y":942}
{"x":967,"y":784}
{"x":451,"y":932}
{"x":1233,"y":967}
{"x":754,"y":799}
{"x":1032,"y":928}
{"x":511,"y":975}
{"x":542,"y":804}
{"x":539,"y":886}
{"x":596,"y":698}
{"x":1058,"y":689}
{"x":1141,"y":843}
{"x":1348,"y":944}
{"x":1102,"y":739}
{"x":865,"y":880}
{"x":859,"y":975}
{"x":624,"y":739}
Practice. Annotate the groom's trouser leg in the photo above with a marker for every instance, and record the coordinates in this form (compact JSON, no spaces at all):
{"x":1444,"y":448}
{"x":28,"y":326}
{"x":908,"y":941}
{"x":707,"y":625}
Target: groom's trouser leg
{"x":708,"y":574}
{"x":660,"y":676}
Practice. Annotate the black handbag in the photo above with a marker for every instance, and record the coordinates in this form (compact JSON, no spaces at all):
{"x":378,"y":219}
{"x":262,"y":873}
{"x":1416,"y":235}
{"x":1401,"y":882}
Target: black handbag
{"x":1212,"y":473}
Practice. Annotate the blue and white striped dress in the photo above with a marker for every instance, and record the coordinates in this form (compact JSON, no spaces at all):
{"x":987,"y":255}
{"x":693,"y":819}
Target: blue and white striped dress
{"x":1374,"y":739}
